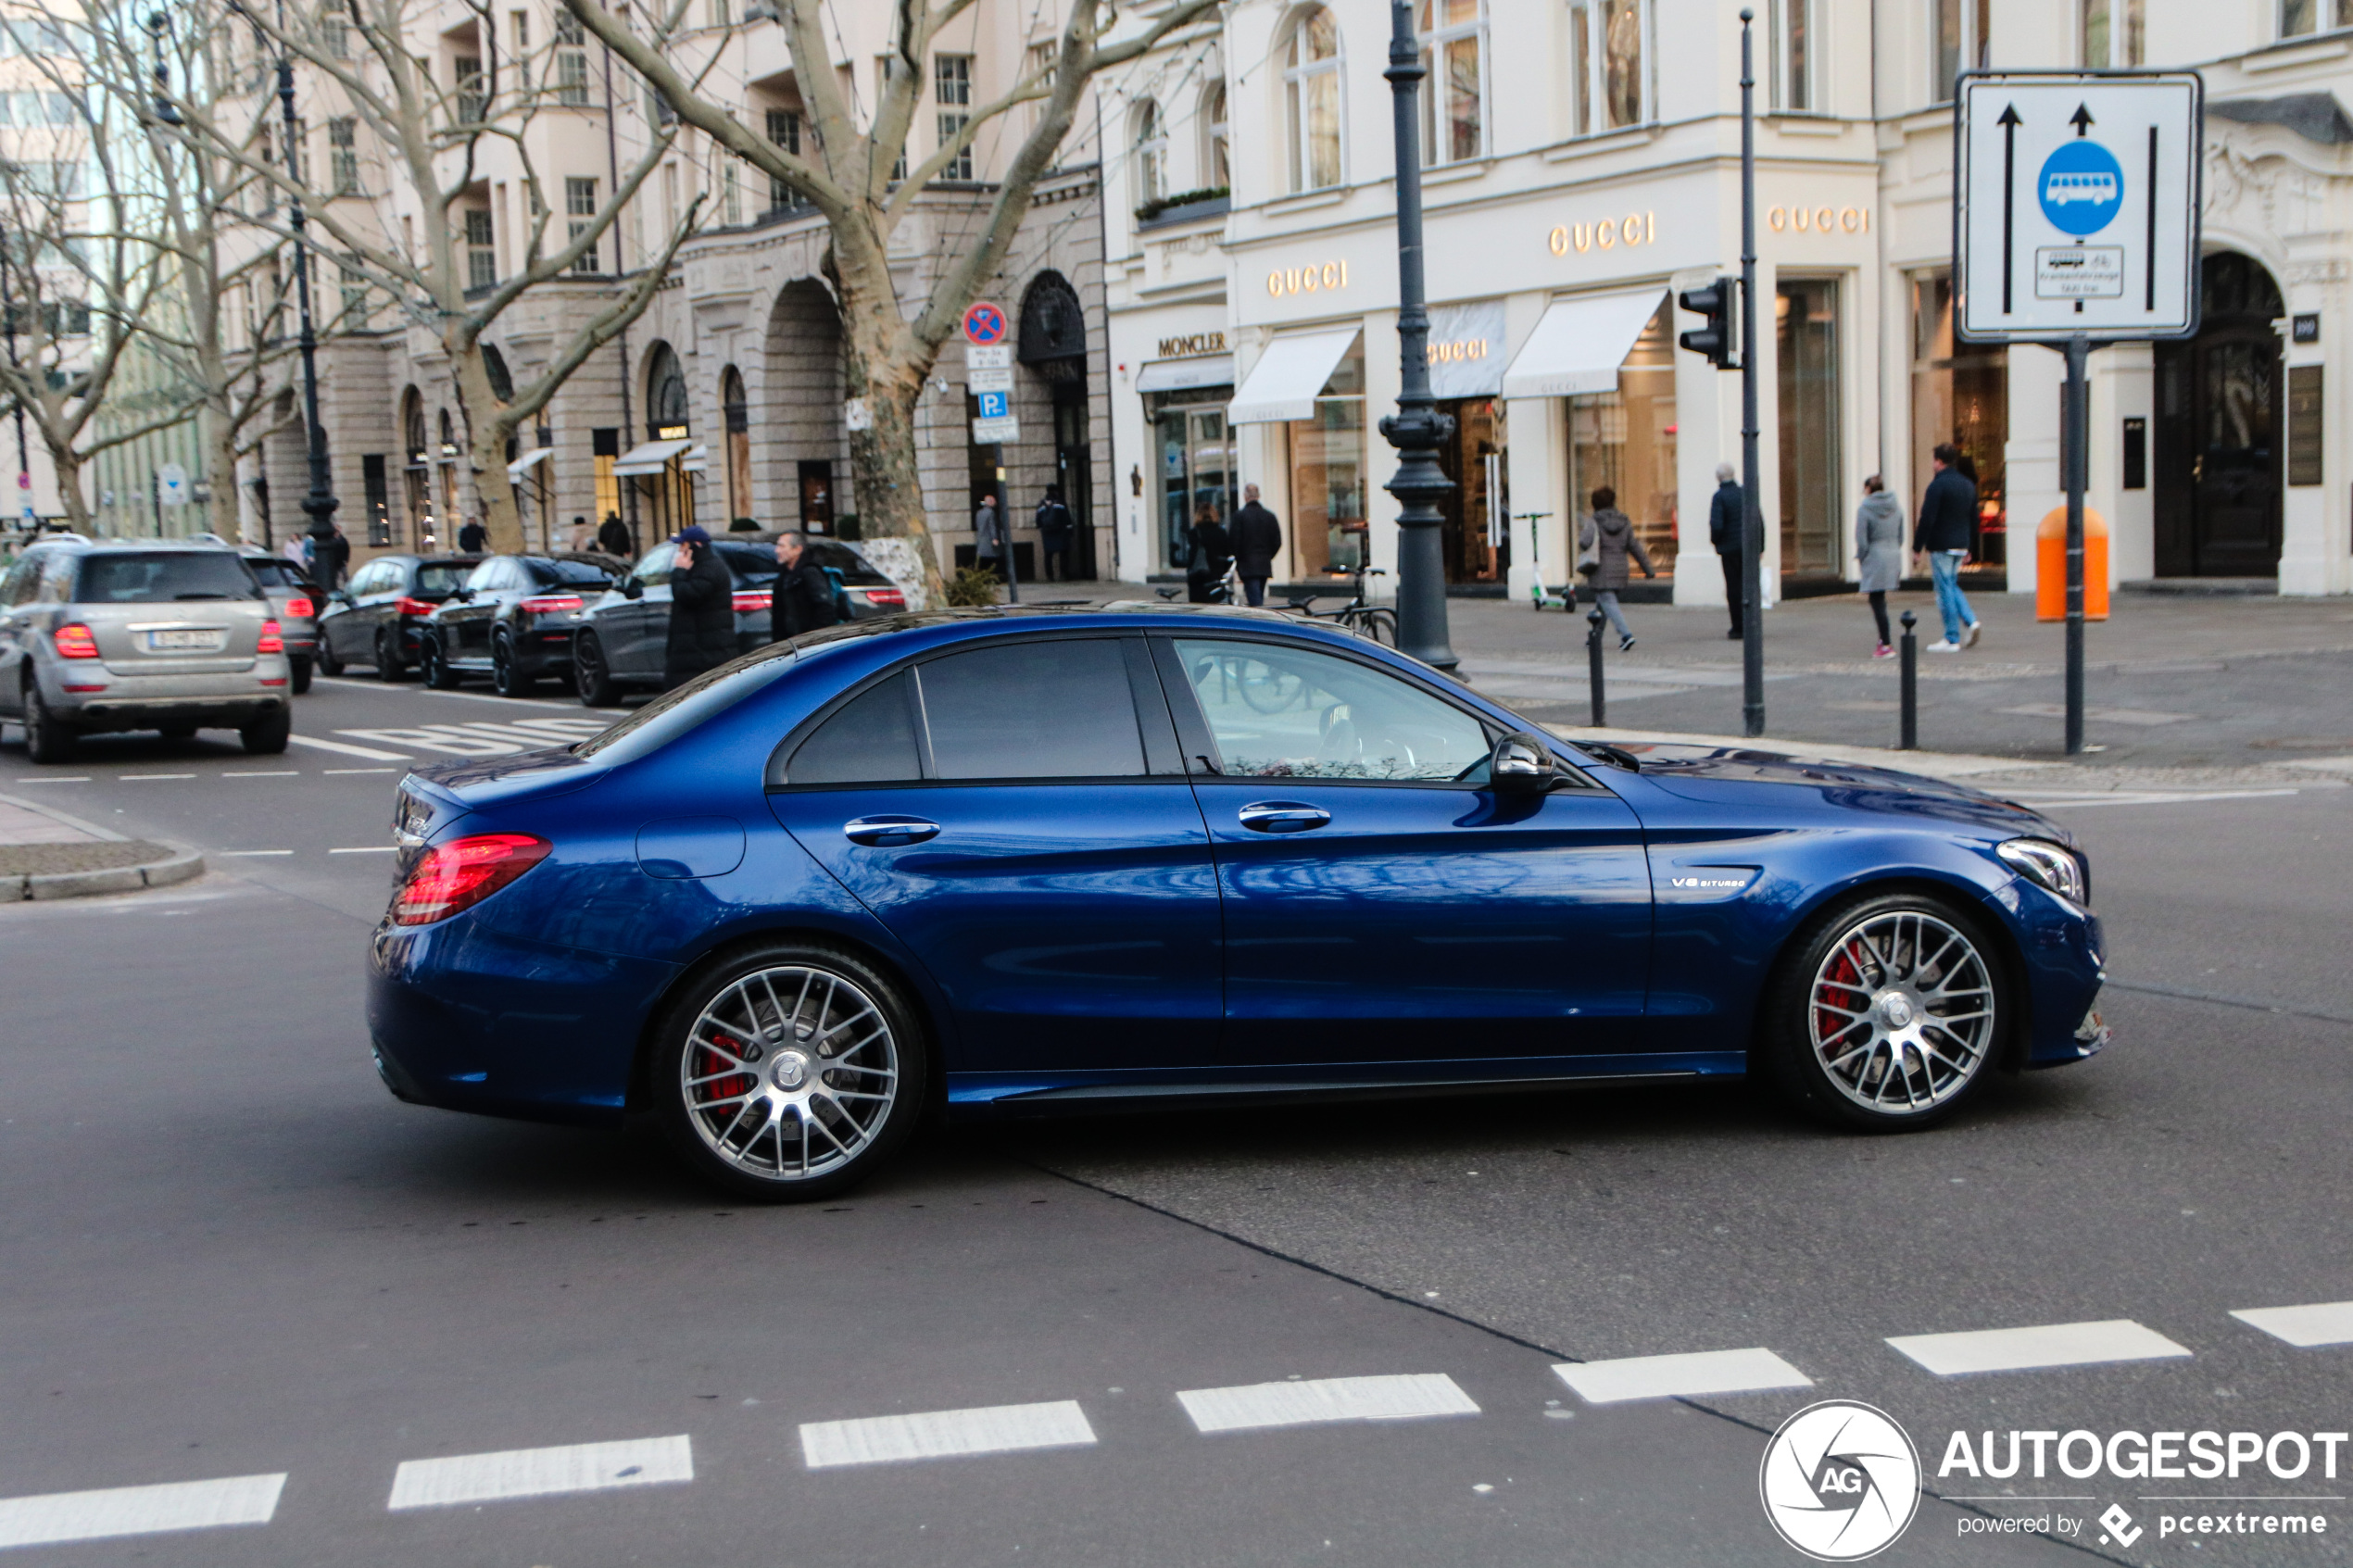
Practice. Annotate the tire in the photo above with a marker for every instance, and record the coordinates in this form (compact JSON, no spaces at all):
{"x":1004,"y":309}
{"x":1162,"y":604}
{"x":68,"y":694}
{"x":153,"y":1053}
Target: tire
{"x":839,"y":1047}
{"x":299,"y":682}
{"x":505,"y":678}
{"x":1381,"y":625}
{"x":329,"y":665}
{"x":589,"y":676}
{"x":388,"y":664}
{"x":45,"y":740}
{"x":435,"y":668}
{"x":267,"y":737}
{"x":1887,"y":994}
{"x":178,"y":732}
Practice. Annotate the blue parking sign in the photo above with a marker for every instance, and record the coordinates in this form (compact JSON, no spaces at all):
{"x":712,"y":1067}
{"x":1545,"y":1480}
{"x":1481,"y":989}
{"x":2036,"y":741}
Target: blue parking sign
{"x":994,"y":404}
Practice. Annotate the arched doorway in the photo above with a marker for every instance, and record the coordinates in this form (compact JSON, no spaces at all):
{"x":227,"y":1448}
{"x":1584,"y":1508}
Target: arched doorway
{"x":670,"y":491}
{"x":803,"y":442}
{"x":736,"y":413}
{"x":416,"y":466}
{"x":2218,"y":423}
{"x":1053,"y":348}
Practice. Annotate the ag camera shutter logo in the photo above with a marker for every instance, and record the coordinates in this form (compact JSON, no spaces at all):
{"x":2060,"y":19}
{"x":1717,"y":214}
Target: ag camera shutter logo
{"x":1841,"y":1481}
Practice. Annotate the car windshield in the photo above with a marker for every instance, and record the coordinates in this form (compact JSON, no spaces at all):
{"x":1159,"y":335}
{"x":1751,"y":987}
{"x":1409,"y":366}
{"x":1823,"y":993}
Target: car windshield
{"x":163,"y":577}
{"x":685,"y":708}
{"x":568,"y":573}
{"x":441,"y":579}
{"x":752,"y":564}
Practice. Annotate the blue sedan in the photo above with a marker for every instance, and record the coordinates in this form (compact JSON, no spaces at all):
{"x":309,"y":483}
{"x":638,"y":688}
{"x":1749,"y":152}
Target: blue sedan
{"x":998,"y":861}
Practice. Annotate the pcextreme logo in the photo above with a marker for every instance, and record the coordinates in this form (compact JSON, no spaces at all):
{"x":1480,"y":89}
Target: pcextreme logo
{"x":1840,"y":1481}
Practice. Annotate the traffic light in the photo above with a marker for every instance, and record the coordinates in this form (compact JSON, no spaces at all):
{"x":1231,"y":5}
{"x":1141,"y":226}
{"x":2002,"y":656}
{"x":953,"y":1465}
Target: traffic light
{"x":1713,"y":339}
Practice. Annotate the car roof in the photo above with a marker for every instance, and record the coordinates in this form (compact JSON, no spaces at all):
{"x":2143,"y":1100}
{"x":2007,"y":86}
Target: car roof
{"x":1168,"y":617}
{"x":143,"y":546}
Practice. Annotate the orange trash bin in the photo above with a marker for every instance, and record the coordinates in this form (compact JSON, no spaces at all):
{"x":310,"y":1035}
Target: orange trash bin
{"x":2050,"y":566}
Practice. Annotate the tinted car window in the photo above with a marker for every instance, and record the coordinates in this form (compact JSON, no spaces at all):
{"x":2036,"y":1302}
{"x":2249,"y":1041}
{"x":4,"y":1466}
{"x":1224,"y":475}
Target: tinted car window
{"x":752,"y":564}
{"x":275,"y":573}
{"x":1278,"y":712}
{"x":164,"y":577}
{"x":487,"y":575}
{"x":567,"y":573}
{"x":1060,"y":710}
{"x":853,"y":566}
{"x":870,"y":740}
{"x":443,"y":577}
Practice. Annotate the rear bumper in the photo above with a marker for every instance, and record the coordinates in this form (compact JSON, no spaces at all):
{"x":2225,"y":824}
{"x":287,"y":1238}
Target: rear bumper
{"x":134,"y":702}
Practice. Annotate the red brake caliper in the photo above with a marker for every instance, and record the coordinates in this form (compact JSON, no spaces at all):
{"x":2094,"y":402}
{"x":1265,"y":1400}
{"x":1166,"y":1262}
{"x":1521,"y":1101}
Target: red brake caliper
{"x":1843,"y":973}
{"x":733,"y":1086}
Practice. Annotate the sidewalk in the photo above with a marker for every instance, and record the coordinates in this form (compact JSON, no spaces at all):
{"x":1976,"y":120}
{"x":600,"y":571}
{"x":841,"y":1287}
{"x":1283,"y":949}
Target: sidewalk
{"x":46,"y":854}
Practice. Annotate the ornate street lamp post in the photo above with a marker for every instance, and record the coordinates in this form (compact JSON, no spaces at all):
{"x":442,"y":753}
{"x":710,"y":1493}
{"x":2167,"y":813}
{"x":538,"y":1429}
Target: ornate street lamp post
{"x":1417,"y":428}
{"x":320,"y":505}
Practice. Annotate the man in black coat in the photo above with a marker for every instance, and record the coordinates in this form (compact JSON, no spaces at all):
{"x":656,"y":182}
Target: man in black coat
{"x":1946,"y":527}
{"x":702,"y":609}
{"x":1725,"y":513}
{"x":1056,"y":527}
{"x":473,"y":538}
{"x":1258,"y":539}
{"x":803,"y":597}
{"x":613,"y":537}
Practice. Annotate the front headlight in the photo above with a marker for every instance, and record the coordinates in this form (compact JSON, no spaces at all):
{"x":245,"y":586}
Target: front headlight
{"x":2054,"y":866}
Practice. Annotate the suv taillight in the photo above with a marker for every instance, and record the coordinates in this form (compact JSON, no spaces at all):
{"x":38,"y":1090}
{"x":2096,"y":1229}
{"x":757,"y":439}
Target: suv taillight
{"x":458,"y":875}
{"x":413,"y":606}
{"x":299,"y":609}
{"x":747,"y":604}
{"x":75,"y":641}
{"x":273,"y":639}
{"x":549,"y":604}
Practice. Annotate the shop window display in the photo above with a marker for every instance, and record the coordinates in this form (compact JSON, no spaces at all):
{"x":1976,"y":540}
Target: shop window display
{"x":1328,"y":475}
{"x":1626,"y":440}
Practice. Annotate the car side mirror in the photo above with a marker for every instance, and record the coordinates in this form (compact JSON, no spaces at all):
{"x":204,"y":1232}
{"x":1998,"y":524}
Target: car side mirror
{"x":1522,"y":764}
{"x":632,"y":589}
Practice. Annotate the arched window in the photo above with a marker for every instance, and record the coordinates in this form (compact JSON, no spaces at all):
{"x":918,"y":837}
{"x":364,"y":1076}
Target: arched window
{"x":736,"y":415}
{"x":1312,"y":101}
{"x":665,"y":394}
{"x":1609,"y":73}
{"x":1151,"y":154}
{"x":1216,"y":162}
{"x":1455,"y":95}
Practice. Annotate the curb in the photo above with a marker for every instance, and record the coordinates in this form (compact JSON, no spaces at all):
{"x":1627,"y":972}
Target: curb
{"x":182,"y":865}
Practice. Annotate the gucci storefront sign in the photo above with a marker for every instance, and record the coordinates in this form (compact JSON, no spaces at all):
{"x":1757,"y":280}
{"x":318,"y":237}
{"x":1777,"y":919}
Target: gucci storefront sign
{"x":1608,"y":233}
{"x":1325,"y":277}
{"x":1818,"y":219}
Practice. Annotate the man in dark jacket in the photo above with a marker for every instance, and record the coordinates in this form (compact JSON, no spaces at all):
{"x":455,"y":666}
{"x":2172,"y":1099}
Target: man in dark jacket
{"x":613,"y":537}
{"x":473,"y":538}
{"x":1725,"y":512}
{"x":1258,"y":539}
{"x":1947,"y":525}
{"x":702,"y":609}
{"x":1212,"y":557}
{"x":1055,"y":526}
{"x":803,"y":599}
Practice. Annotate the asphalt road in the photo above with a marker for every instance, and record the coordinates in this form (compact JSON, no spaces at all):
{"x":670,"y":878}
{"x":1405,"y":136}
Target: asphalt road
{"x":228,"y":1253}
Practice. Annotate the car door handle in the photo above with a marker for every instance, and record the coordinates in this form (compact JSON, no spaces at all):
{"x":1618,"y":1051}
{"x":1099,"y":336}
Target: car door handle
{"x":886,"y":833}
{"x":1283,"y":816}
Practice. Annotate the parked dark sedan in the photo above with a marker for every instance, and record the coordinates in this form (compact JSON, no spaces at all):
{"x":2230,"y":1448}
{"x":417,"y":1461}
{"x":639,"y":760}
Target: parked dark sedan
{"x":512,"y":619}
{"x":621,"y":647}
{"x":378,"y":617}
{"x":997,"y":860}
{"x":296,"y":600}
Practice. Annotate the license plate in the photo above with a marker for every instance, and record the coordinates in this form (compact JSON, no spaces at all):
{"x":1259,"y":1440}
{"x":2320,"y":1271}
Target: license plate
{"x":185,"y":641}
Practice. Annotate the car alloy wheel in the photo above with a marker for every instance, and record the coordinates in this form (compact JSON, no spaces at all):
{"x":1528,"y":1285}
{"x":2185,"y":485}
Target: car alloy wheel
{"x":388,"y":665}
{"x":1891,"y":1014}
{"x":45,"y":740}
{"x":790,"y":1073}
{"x":590,"y":678}
{"x":505,"y":678}
{"x":434,"y":666}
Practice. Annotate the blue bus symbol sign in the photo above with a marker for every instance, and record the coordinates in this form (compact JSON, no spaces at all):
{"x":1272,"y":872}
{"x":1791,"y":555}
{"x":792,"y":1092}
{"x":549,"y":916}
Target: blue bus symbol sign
{"x":2081,"y":188}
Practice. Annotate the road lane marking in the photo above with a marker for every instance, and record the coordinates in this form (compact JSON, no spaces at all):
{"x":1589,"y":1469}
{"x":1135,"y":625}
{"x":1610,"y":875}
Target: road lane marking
{"x":433,"y":737}
{"x":2050,"y":1344}
{"x":248,"y":853}
{"x":139,"y":1510}
{"x":1409,"y":1396}
{"x":1687,"y":1375}
{"x":342,"y":772}
{"x":279,"y":773}
{"x":129,"y":777}
{"x":428,"y":691}
{"x":2326,"y":1322}
{"x":52,"y":778}
{"x":994,"y":1429}
{"x":366,"y":850}
{"x":533,"y":1472}
{"x":373,"y":754}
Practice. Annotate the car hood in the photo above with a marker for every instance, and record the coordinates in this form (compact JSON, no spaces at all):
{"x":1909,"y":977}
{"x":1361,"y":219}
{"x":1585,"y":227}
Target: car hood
{"x":1724,"y":774}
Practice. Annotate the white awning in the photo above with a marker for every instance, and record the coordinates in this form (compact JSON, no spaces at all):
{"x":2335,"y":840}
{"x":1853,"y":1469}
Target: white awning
{"x":696,"y":459}
{"x":652,"y":457}
{"x":1579,"y":344}
{"x":1177,"y":375}
{"x":529,"y":460}
{"x":1284,"y":382}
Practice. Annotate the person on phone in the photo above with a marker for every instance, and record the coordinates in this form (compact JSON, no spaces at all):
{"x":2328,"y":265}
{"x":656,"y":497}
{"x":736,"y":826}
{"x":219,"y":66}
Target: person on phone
{"x":702,"y":609}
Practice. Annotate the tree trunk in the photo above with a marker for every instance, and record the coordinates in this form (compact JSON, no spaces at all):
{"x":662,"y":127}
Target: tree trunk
{"x":66,"y":463}
{"x":885,"y":367}
{"x":220,"y":468}
{"x":486,"y":437}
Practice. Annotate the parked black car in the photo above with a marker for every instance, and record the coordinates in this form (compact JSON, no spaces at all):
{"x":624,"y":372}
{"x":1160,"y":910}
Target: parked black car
{"x":378,"y":617}
{"x":512,"y":619}
{"x":626,"y":631}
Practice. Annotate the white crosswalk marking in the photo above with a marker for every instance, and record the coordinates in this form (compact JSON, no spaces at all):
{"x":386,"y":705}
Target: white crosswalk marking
{"x":2326,"y":1322}
{"x":533,"y":1473}
{"x":1410,"y":1397}
{"x":480,"y":737}
{"x":2051,"y":1345}
{"x":1686,"y":1375}
{"x":139,"y":1510}
{"x":994,"y":1429}
{"x":375,"y":753}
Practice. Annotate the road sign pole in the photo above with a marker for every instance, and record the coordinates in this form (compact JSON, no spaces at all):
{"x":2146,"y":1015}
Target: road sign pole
{"x":2074,"y":440}
{"x":1752,"y":510}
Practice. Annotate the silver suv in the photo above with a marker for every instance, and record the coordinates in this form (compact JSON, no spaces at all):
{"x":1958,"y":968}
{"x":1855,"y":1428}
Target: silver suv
{"x":140,"y":635}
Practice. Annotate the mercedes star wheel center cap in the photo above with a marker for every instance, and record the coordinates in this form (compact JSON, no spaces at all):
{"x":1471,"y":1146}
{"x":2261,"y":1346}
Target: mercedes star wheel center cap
{"x":791,"y":1069}
{"x":1899,"y":1012}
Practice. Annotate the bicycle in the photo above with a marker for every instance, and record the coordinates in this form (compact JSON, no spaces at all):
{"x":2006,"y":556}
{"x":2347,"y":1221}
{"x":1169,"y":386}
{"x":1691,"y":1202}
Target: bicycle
{"x":1360,"y":615}
{"x":1225,"y":593}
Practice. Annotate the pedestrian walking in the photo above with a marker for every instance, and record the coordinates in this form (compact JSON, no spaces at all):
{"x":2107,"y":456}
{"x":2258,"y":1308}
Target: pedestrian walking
{"x":329,"y":557}
{"x":803,"y":597}
{"x":702,"y":609}
{"x":1728,"y":531}
{"x":1947,"y":523}
{"x":988,"y":537}
{"x":1609,"y":534}
{"x":1211,"y":557}
{"x":296,"y":549}
{"x":612,"y":537}
{"x":1055,"y":526}
{"x":1258,"y":539}
{"x":583,"y":538}
{"x":1878,"y":550}
{"x":472,"y":539}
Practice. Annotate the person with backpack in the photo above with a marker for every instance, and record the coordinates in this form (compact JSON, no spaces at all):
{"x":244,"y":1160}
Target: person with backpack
{"x":1609,"y":534}
{"x":803,"y":597}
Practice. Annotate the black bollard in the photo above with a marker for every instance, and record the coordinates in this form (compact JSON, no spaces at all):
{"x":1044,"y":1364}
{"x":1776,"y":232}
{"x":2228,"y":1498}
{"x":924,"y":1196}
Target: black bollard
{"x":1910,"y":733}
{"x":1594,"y":657}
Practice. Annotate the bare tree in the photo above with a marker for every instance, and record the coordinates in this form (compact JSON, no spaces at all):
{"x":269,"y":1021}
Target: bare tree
{"x":889,"y":347}
{"x":436,"y":138}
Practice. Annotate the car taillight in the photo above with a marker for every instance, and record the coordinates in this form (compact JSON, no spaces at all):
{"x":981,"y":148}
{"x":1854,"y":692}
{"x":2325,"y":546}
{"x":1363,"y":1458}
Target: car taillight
{"x":748,"y":603}
{"x":75,"y":641}
{"x":299,"y":609}
{"x":273,"y":639}
{"x":884,"y":597}
{"x":413,"y":606}
{"x":462,"y":872}
{"x":549,"y":604}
